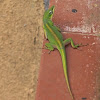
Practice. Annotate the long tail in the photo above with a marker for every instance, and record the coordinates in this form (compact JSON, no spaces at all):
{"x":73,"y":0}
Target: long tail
{"x":63,"y":55}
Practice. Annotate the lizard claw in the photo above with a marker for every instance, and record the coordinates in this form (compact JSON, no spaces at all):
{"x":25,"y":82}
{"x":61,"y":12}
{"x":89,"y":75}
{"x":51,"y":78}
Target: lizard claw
{"x":81,"y":45}
{"x":49,"y":52}
{"x":79,"y":49}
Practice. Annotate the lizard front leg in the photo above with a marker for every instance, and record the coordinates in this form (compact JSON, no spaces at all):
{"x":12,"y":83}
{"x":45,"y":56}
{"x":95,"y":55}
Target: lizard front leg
{"x":49,"y":46}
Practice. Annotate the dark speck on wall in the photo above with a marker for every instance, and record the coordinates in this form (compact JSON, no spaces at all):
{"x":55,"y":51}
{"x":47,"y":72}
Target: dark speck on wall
{"x":84,"y":98}
{"x":74,"y":10}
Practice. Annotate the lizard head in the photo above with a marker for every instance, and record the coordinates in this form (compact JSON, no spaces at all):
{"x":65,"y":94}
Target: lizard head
{"x":49,"y":13}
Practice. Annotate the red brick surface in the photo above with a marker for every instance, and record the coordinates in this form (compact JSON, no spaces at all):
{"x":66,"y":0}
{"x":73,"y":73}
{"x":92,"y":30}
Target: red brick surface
{"x":85,"y":20}
{"x":83,"y":64}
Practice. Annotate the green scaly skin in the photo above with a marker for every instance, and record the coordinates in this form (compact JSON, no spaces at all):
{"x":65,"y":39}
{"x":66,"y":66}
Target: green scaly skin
{"x":52,"y":33}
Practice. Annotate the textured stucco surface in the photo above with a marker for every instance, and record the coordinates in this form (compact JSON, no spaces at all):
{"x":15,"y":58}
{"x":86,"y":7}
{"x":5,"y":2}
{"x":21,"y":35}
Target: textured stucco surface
{"x":21,"y":37}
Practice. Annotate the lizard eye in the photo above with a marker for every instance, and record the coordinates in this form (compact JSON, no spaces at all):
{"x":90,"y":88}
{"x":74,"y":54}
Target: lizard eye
{"x":50,"y":12}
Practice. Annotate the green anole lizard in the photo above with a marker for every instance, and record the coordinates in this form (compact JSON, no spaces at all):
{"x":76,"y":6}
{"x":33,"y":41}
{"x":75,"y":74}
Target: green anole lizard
{"x":52,"y":33}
